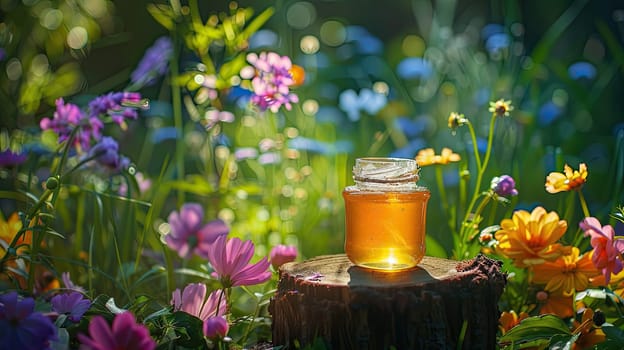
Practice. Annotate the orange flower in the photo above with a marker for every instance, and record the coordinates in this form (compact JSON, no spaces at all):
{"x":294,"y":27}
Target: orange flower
{"x":567,"y":274}
{"x":529,"y":238}
{"x":427,"y":156}
{"x":559,"y":305}
{"x":298,"y":74}
{"x":568,"y":180}
{"x":509,"y":320}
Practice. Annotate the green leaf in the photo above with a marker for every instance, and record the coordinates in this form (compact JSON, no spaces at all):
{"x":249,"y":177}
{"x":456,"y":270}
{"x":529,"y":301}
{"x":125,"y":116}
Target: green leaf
{"x":562,"y":342}
{"x":535,"y":328}
{"x":434,"y":248}
{"x":189,"y":330}
{"x":613,"y":334}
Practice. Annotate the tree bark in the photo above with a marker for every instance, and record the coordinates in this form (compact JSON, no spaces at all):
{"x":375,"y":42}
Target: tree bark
{"x":437,"y":305}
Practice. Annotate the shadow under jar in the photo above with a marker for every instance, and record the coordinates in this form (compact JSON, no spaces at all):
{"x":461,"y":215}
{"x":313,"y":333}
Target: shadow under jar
{"x":385,"y":214}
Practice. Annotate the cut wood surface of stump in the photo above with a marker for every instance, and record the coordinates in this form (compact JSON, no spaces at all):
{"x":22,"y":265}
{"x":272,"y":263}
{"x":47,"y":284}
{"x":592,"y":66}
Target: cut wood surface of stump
{"x":439,"y":304}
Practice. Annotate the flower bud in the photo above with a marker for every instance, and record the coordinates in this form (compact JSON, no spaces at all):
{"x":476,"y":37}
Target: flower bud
{"x":51,"y":183}
{"x":215,"y":328}
{"x":281,"y":254}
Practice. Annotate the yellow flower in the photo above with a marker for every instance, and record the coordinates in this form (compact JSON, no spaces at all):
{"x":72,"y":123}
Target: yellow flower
{"x":529,"y":238}
{"x":567,"y":274}
{"x":456,"y":120}
{"x":568,"y":180}
{"x":428,"y":157}
{"x":501,"y":108}
{"x":8,"y":229}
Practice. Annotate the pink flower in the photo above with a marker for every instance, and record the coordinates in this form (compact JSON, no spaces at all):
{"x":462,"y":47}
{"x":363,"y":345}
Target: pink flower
{"x":271,"y":85}
{"x":125,"y":334}
{"x":215,"y":328}
{"x":607,"y":251}
{"x":281,"y":254}
{"x":230,"y":260}
{"x":193,"y":301}
{"x":187,"y":234}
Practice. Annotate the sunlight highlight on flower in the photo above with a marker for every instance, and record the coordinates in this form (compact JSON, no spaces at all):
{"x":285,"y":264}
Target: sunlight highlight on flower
{"x":427,"y":156}
{"x":530,"y":238}
{"x":568,"y":180}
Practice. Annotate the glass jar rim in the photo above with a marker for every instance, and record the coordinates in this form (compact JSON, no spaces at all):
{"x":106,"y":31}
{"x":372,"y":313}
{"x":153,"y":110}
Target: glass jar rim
{"x":381,"y":170}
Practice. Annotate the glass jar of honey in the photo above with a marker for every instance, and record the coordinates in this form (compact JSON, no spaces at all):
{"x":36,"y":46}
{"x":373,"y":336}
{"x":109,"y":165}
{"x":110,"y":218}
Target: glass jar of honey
{"x":385,"y":214}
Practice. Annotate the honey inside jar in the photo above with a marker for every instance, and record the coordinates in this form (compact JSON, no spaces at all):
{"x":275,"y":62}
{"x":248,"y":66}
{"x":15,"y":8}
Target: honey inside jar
{"x":385,"y":222}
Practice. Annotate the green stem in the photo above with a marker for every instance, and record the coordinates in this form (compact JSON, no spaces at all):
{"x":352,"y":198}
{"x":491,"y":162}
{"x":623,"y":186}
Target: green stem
{"x":176,"y":101}
{"x":475,"y":148}
{"x":583,"y":203}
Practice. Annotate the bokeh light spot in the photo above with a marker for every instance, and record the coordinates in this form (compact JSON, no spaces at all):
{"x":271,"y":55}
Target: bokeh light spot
{"x":39,"y":65}
{"x":333,"y":33}
{"x":14,"y":69}
{"x":301,"y":14}
{"x":310,"y":107}
{"x":51,"y":19}
{"x":381,"y":87}
{"x":77,"y":38}
{"x":96,"y":8}
{"x":413,"y":46}
{"x":309,"y":44}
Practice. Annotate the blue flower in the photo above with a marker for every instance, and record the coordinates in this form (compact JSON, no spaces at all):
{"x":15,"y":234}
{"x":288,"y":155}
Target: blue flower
{"x":367,"y":100}
{"x":415,"y":68}
{"x":9,"y":158}
{"x":21,"y":327}
{"x":548,"y":113}
{"x":106,"y":152}
{"x":582,"y":70}
{"x":409,"y":150}
{"x":365,"y":43}
{"x":73,"y":304}
{"x":263,"y":38}
{"x":154,"y":63}
{"x":490,"y":29}
{"x":497,"y":42}
{"x":409,"y":126}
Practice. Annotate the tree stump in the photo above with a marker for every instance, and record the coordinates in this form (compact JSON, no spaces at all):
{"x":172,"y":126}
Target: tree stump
{"x":436,"y":305}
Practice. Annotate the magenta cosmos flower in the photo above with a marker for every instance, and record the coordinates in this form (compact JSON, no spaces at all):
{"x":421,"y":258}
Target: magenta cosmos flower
{"x":606,"y":256}
{"x":68,"y":117}
{"x":281,"y":254}
{"x":230,"y":260}
{"x":188,"y":236}
{"x":21,"y":327}
{"x":271,"y":85}
{"x":193,"y":301}
{"x":125,"y":334}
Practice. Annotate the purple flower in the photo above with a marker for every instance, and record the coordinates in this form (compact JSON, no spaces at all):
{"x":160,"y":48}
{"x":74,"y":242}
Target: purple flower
{"x":106,"y":152}
{"x":65,"y":277}
{"x":504,"y":185}
{"x":68,"y":117}
{"x":119,"y":105}
{"x":143,"y":183}
{"x":230,"y":260}
{"x":73,"y":303}
{"x":281,"y":254}
{"x":187,"y":234}
{"x":193,"y":301}
{"x":271,"y":85}
{"x":215,"y":328}
{"x":154,"y":63}
{"x":21,"y":327}
{"x":8,"y":158}
{"x":125,"y":334}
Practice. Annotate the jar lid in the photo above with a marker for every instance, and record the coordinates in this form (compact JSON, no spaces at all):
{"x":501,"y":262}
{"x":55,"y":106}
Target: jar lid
{"x":386,"y":170}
